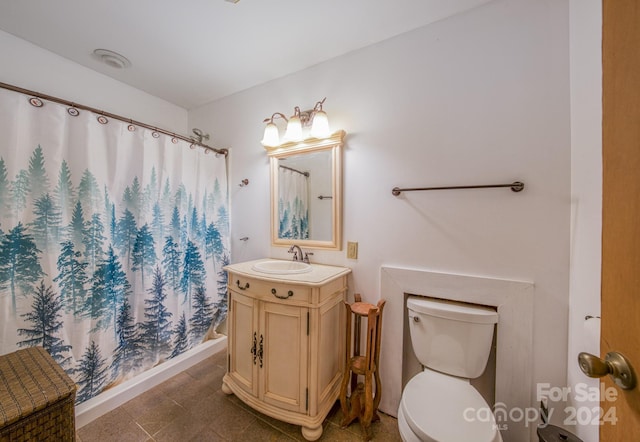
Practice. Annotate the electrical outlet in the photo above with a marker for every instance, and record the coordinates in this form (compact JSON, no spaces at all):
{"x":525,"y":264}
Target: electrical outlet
{"x":352,"y":250}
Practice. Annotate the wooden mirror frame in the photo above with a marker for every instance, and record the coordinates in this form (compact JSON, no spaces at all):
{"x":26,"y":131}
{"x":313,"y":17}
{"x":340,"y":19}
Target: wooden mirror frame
{"x":334,"y":144}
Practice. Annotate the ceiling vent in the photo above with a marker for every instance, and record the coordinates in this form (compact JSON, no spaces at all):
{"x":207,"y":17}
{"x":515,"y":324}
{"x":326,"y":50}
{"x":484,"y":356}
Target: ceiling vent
{"x":111,"y":58}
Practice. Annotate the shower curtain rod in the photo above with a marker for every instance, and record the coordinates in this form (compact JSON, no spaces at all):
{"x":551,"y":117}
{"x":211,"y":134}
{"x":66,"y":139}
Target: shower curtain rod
{"x":10,"y":87}
{"x":296,"y":170}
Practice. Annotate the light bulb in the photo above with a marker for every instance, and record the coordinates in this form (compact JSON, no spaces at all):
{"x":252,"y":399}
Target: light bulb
{"x":294,"y":129}
{"x":271,"y":136}
{"x":320,"y":127}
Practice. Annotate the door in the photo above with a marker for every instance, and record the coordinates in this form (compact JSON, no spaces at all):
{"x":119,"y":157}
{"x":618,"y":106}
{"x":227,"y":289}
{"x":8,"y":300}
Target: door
{"x":621,"y":205}
{"x":284,"y":336}
{"x":243,"y":340}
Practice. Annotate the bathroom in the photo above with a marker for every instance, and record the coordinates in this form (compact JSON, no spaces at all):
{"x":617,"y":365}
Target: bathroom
{"x":508,"y":90}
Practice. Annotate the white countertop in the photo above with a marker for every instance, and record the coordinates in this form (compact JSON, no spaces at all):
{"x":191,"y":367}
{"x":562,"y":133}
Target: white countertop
{"x":320,"y":274}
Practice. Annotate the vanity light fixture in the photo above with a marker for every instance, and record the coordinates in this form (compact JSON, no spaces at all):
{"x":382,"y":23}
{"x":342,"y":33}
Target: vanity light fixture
{"x":316,"y":118}
{"x":271,"y":136}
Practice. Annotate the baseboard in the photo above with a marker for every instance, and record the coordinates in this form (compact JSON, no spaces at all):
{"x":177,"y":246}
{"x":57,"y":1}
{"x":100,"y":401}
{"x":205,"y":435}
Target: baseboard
{"x":118,"y":395}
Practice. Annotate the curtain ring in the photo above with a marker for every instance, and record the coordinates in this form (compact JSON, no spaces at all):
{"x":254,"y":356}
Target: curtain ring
{"x":73,"y":111}
{"x":35,"y":101}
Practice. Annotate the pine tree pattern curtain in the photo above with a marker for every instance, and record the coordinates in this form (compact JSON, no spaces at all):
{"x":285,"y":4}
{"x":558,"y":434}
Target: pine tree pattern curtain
{"x":112,"y":241}
{"x":293,"y":204}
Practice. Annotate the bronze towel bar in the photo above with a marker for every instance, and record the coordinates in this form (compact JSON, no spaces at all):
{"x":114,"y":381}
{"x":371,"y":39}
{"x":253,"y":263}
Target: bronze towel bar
{"x":516,"y":186}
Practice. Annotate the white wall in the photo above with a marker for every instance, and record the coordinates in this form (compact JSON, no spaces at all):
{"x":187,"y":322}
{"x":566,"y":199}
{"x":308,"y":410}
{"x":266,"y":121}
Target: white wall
{"x":478,"y":98}
{"x":586,"y":197}
{"x":31,"y":67}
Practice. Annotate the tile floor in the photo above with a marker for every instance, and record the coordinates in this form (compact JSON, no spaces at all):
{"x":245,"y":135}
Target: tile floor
{"x":191,"y":407}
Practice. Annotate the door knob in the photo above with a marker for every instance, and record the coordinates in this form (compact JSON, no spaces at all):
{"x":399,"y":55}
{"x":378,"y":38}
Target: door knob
{"x":614,"y":364}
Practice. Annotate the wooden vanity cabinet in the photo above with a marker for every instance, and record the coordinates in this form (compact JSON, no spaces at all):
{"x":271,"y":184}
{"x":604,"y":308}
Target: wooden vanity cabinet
{"x":268,"y":351}
{"x":286,"y":344}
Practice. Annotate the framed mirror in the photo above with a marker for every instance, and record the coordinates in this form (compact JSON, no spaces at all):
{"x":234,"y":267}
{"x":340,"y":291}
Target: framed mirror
{"x":306,"y":193}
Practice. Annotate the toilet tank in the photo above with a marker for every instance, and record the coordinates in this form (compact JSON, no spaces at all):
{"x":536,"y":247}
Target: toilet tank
{"x":451,"y":337}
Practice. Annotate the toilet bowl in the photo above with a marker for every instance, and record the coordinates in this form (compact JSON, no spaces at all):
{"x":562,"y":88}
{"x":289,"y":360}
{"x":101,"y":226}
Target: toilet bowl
{"x":452,"y":341}
{"x":441,"y":408}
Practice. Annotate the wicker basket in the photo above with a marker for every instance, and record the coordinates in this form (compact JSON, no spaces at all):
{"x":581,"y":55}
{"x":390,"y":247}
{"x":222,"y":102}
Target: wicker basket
{"x":36,"y":398}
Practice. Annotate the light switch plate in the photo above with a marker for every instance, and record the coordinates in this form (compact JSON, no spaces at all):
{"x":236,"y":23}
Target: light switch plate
{"x":352,"y":250}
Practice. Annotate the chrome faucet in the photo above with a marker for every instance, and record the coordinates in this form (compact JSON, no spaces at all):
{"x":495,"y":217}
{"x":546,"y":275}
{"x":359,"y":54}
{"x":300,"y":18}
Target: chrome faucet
{"x":297,"y":254}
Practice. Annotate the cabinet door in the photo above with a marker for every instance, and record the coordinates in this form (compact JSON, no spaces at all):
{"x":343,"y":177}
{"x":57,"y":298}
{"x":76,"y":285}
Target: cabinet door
{"x":284,"y":337}
{"x":243,"y":341}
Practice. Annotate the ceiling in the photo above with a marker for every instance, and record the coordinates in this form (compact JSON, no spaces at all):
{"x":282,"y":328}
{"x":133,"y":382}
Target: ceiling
{"x":191,"y":52}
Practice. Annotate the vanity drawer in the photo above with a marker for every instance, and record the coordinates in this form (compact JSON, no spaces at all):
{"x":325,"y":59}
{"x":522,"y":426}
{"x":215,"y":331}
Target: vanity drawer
{"x":268,"y":290}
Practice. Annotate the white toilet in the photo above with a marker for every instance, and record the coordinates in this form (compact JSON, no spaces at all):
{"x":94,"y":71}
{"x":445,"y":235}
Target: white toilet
{"x":452,"y":341}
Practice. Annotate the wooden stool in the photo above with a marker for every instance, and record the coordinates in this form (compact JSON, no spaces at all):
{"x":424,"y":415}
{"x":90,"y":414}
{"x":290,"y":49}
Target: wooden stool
{"x":363,"y":403}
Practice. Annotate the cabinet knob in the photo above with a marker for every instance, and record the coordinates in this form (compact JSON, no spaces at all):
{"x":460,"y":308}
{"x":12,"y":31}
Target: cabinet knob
{"x":246,"y":286}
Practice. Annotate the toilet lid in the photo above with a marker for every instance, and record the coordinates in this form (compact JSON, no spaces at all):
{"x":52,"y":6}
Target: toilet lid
{"x":443,"y":408}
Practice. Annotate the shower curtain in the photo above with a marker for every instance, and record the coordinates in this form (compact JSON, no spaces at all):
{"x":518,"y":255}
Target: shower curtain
{"x":293,"y":204}
{"x":112,"y":241}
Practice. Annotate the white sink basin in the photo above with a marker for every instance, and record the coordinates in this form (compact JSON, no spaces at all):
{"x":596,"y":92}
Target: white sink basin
{"x":282,"y":267}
